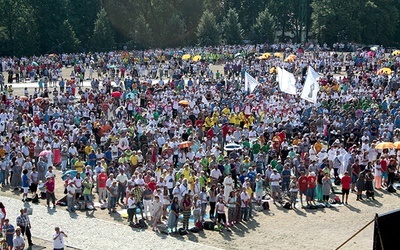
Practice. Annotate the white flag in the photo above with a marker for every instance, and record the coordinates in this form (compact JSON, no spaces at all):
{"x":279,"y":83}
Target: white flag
{"x":205,"y":101}
{"x":287,"y":81}
{"x":311,"y":86}
{"x":249,"y":83}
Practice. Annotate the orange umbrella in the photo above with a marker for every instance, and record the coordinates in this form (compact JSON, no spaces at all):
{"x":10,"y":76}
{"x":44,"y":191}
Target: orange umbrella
{"x":39,"y":99}
{"x":183,"y":102}
{"x":23,"y":98}
{"x":397,"y":145}
{"x":185,"y":144}
{"x":385,"y":145}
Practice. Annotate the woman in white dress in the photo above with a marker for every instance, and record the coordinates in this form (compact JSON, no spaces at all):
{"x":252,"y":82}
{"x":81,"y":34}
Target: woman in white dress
{"x":228,"y":186}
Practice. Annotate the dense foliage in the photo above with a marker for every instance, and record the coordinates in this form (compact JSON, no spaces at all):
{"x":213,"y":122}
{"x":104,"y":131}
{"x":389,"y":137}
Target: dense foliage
{"x":54,"y":26}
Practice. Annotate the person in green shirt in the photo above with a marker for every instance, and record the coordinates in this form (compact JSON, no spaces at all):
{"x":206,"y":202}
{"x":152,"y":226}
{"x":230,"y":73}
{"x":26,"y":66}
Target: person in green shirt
{"x":246,"y":143}
{"x":274,"y":162}
{"x":203,"y":179}
{"x":279,"y":167}
{"x":256,"y":149}
{"x":87,"y":192}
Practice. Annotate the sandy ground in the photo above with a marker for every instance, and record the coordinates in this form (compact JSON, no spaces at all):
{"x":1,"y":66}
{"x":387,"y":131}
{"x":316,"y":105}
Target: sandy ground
{"x":278,"y":228}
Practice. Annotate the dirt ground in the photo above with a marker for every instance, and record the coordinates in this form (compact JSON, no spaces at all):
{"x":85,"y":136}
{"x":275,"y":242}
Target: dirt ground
{"x":278,"y":228}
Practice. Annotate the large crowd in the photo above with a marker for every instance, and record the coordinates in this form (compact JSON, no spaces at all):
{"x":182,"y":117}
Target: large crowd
{"x":162,"y":134}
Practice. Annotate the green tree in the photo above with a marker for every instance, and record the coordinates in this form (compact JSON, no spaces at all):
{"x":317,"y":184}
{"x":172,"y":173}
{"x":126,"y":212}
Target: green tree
{"x":207,"y":30}
{"x":141,"y":35}
{"x":71,"y":43}
{"x":103,"y":34}
{"x":263,"y":30}
{"x":18,"y":28}
{"x":231,"y":28}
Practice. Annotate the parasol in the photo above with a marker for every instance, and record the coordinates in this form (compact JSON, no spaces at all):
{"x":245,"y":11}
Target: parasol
{"x":185,"y":144}
{"x":232,"y":146}
{"x":116,"y":94}
{"x":385,"y":145}
{"x":183,"y":102}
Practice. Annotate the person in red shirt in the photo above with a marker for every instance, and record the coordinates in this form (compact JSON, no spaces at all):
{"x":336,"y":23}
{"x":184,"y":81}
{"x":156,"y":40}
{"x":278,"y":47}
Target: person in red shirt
{"x":303,"y":186}
{"x":50,"y":186}
{"x":312,"y":184}
{"x":384,"y":170}
{"x":101,"y":184}
{"x":346,"y":182}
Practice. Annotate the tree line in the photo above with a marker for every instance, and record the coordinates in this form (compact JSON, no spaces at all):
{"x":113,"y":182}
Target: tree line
{"x":55,"y":26}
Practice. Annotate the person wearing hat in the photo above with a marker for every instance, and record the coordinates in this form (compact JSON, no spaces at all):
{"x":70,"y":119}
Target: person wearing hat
{"x":274,"y":184}
{"x":71,"y":192}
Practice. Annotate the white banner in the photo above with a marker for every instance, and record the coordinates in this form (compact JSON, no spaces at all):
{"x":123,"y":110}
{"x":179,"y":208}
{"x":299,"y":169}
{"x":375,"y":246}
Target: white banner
{"x":311,"y":86}
{"x":249,"y":83}
{"x":287,"y":81}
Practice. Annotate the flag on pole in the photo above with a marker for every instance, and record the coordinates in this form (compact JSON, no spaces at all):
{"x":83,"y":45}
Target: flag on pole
{"x":311,"y":86}
{"x":287,"y":81}
{"x":249,"y":83}
{"x":205,"y":101}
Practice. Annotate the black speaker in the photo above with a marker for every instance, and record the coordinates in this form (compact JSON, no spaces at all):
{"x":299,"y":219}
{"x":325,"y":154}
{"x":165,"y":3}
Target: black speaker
{"x":386,"y":230}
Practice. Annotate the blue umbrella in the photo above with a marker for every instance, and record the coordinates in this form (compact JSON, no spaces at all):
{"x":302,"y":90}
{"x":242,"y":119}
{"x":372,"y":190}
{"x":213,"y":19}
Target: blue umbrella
{"x":129,"y":95}
{"x":72,"y":174}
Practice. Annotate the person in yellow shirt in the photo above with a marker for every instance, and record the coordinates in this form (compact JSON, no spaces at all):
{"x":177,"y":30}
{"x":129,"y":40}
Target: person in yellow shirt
{"x":186,"y":171}
{"x":318,"y":146}
{"x":226,"y":111}
{"x":2,"y":151}
{"x":134,"y":160}
{"x":79,"y":164}
{"x":88,"y":149}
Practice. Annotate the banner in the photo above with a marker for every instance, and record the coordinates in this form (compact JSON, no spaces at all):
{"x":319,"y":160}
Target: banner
{"x":311,"y":86}
{"x":204,"y":100}
{"x":249,"y":83}
{"x":287,"y":81}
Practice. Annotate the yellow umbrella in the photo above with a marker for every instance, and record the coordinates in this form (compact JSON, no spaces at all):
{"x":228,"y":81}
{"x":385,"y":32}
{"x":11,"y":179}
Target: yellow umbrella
{"x":266,"y":54}
{"x":289,"y":59}
{"x":186,"y":57}
{"x":385,"y":145}
{"x":396,"y":53}
{"x":384,"y":71}
{"x":272,"y":70}
{"x":262,"y":57}
{"x":196,"y":58}
{"x":397,"y":144}
{"x":277,"y":54}
{"x":183,"y":102}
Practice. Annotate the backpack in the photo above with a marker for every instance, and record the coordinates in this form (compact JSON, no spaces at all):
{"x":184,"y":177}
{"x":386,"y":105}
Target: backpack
{"x":182,"y":231}
{"x":287,"y":205}
{"x":194,"y":229}
{"x":142,"y":223}
{"x":265,"y":205}
{"x":208,"y":225}
{"x":391,"y":189}
{"x":199,"y":225}
{"x":337,"y":181}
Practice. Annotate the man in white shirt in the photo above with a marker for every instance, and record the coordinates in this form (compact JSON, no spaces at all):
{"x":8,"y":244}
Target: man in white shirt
{"x":58,"y":239}
{"x":274,"y":182}
{"x":122,"y":180}
{"x":18,"y":240}
{"x":169,"y":182}
{"x":215,"y":174}
{"x":71,"y":189}
{"x":244,"y":206}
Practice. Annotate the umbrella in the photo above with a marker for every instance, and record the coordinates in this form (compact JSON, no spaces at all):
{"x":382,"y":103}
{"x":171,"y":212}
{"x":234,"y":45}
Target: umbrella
{"x":185,"y":144}
{"x":371,"y":53}
{"x":232,"y":146}
{"x":23,"y":98}
{"x":374,"y":48}
{"x":71,"y":173}
{"x":35,"y":64}
{"x":397,"y":144}
{"x":396,"y":53}
{"x":382,"y":71}
{"x":39,"y":99}
{"x":196,"y":58}
{"x":184,"y":102}
{"x":186,"y":57}
{"x":44,"y":153}
{"x":116,"y":94}
{"x":238,"y":54}
{"x":385,"y":145}
{"x":52,"y":55}
{"x":130,"y":95}
{"x":277,"y":54}
{"x":290,"y":58}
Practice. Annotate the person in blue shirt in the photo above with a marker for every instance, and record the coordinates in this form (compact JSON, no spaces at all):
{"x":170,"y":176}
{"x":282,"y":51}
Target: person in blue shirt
{"x":25,"y":184}
{"x":285,"y":178}
{"x":251,"y":174}
{"x":242,"y":177}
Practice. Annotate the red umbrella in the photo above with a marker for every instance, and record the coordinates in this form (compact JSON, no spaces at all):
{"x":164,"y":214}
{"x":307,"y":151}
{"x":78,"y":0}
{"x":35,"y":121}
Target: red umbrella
{"x":116,"y":94}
